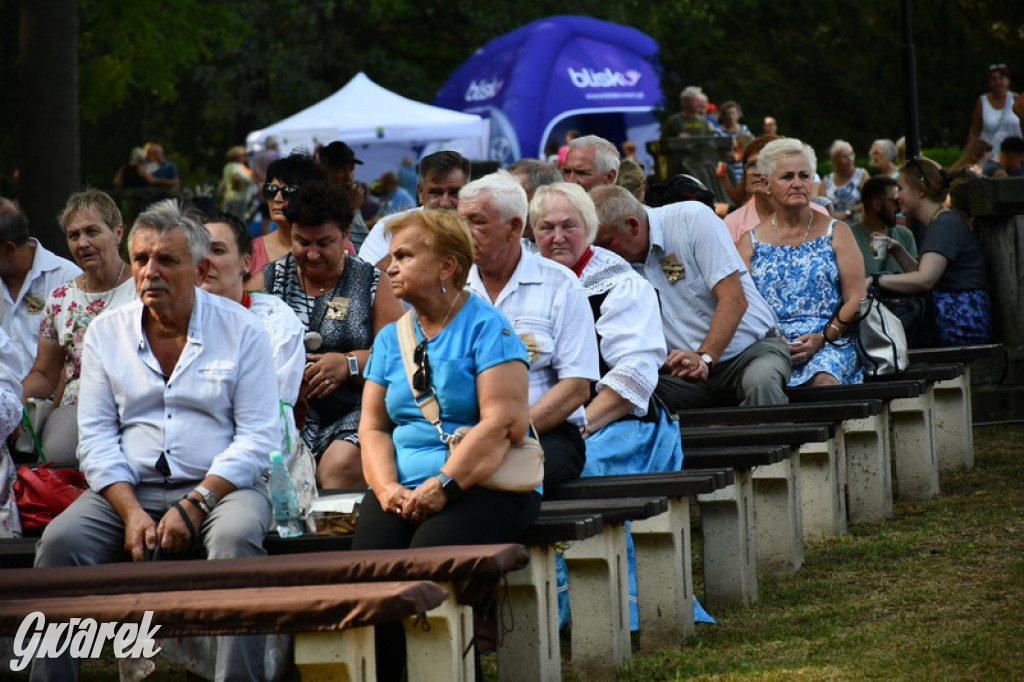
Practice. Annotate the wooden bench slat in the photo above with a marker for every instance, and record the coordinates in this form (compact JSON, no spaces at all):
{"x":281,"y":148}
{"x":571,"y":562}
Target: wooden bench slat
{"x":955,"y":353}
{"x":247,"y":610}
{"x":611,"y":510}
{"x":878,"y":390}
{"x":667,"y":484}
{"x":823,"y":411}
{"x":793,"y":435}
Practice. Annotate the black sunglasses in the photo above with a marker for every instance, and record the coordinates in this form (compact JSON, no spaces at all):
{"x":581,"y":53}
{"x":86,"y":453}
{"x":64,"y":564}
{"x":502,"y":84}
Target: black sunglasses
{"x":421,"y":377}
{"x":270,"y":191}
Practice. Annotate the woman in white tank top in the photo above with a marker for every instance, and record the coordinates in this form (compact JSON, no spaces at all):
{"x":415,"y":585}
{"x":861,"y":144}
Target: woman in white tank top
{"x":994,"y":118}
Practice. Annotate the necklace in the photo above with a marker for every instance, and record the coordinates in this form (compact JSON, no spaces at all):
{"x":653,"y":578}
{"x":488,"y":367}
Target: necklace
{"x":778,"y":235}
{"x":109,"y":293}
{"x":939,"y":210}
{"x":443,"y":322}
{"x":313,"y":340}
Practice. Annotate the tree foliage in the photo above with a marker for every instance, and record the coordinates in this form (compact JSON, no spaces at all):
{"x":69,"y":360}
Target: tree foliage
{"x":197,"y":75}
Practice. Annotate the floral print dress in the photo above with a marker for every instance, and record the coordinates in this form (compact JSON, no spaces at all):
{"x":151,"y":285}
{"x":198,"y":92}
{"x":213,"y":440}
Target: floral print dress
{"x":67,"y":314}
{"x":801,"y":284}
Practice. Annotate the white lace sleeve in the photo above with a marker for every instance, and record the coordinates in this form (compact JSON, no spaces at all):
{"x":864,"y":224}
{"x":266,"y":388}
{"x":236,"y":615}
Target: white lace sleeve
{"x":632,"y":341}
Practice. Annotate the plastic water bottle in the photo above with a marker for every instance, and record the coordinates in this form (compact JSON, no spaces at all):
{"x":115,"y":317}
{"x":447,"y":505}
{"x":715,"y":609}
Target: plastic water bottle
{"x":282,"y":494}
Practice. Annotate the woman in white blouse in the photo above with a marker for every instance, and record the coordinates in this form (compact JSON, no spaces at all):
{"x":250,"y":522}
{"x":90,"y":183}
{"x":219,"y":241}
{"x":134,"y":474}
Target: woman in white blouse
{"x":230,"y":255}
{"x":627,"y":430}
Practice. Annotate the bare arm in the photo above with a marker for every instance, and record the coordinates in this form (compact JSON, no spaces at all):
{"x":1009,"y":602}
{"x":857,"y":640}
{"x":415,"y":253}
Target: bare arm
{"x":555,"y":406}
{"x":919,"y":281}
{"x":905,"y":260}
{"x":974,"y":132}
{"x":503,"y":395}
{"x":606,"y":407}
{"x":42,"y":379}
{"x":378,"y":449}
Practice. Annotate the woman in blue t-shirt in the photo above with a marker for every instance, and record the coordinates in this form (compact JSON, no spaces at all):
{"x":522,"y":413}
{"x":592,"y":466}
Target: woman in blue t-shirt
{"x":951,"y":267}
{"x":469,"y":355}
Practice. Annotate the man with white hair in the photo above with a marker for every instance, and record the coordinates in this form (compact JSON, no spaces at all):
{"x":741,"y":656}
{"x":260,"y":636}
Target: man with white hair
{"x":690,"y":120}
{"x":548,"y":308}
{"x":723,"y":345}
{"x":592,"y":161}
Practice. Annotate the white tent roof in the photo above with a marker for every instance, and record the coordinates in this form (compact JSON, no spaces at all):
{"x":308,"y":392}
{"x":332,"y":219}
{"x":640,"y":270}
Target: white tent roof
{"x":364,"y":113}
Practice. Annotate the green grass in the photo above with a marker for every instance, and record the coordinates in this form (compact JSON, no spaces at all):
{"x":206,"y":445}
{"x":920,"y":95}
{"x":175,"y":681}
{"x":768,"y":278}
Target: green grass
{"x":932,"y":594}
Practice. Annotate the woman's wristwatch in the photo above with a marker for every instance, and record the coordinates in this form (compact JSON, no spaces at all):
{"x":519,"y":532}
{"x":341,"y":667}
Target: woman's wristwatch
{"x":449,"y":485}
{"x":353,"y":365}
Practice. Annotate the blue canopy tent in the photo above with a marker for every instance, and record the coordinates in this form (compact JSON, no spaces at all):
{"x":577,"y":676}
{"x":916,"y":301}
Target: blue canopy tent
{"x":557,"y":73}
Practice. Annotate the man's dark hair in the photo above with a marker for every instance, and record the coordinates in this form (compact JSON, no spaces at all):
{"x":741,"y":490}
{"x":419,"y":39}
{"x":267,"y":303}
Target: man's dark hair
{"x":875,"y":188}
{"x":320,"y":202}
{"x":441,"y":164}
{"x":13,"y":223}
{"x":297,"y":168}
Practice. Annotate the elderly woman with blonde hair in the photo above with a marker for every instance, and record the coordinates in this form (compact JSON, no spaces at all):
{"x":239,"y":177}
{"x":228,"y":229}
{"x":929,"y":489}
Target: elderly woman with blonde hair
{"x":809,"y":269}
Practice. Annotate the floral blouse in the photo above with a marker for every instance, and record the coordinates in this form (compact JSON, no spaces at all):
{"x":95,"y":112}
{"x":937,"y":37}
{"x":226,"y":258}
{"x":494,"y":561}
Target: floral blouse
{"x":67,"y":314}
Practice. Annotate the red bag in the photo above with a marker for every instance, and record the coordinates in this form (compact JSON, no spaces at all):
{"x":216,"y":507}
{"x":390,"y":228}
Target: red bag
{"x":42,"y":493}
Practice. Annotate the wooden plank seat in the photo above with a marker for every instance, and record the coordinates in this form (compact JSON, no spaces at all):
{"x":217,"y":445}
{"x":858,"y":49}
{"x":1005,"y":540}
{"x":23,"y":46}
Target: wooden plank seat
{"x":964,"y":354}
{"x":911,"y":431}
{"x":663,"y":546}
{"x":740,"y":457}
{"x":822,"y":475}
{"x":792,"y":434}
{"x":333,"y":623}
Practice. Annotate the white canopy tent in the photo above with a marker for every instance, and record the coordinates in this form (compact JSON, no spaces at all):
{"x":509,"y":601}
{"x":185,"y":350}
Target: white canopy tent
{"x":379,"y":125}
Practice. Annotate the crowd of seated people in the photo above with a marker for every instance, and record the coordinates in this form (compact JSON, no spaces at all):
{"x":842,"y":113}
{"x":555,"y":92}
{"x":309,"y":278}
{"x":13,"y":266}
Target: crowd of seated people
{"x":503,"y":277}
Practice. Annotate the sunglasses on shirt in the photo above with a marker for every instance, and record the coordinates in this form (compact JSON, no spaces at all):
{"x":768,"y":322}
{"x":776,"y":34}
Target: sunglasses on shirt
{"x":270,"y":191}
{"x":421,"y":377}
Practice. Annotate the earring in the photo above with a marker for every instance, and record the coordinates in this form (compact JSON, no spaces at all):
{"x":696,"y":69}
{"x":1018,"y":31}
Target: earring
{"x":443,"y":290}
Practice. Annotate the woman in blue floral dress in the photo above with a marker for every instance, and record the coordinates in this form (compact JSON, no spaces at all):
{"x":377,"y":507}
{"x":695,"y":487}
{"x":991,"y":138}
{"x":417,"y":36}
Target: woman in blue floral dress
{"x":809,"y":269}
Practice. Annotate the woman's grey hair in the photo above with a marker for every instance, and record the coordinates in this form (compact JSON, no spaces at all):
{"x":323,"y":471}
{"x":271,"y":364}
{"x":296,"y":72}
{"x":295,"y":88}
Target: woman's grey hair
{"x":577,"y":198}
{"x":606,"y":156}
{"x":776,"y":150}
{"x":168,"y":214}
{"x":837,"y":147}
{"x":94,"y":200}
{"x":888,"y":148}
{"x":507,"y":196}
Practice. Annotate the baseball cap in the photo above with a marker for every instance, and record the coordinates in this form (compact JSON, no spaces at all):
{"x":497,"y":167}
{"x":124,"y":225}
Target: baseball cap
{"x":338,"y":153}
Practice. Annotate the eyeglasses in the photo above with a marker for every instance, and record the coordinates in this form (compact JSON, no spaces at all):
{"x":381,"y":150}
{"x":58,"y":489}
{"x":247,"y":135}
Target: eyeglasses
{"x":421,"y":377}
{"x":997,"y":67}
{"x":270,"y":191}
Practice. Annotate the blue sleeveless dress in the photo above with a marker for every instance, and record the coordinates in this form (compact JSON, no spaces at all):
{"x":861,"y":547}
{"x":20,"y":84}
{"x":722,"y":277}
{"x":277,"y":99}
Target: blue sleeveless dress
{"x":801,"y":284}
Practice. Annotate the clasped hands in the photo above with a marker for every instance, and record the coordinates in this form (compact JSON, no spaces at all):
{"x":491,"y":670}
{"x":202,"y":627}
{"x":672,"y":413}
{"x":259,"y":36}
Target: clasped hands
{"x":686,"y":364}
{"x":413,"y":504}
{"x":170,"y":534}
{"x":325,"y":372}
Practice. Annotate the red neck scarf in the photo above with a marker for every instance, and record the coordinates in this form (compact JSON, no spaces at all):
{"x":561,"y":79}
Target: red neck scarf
{"x":582,"y":262}
{"x":246,"y":299}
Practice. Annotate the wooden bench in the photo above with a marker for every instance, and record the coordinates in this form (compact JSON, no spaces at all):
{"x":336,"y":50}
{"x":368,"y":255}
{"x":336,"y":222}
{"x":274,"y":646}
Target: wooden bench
{"x":822,"y":466}
{"x":952,"y":400}
{"x":463,"y":571}
{"x":899,"y":441}
{"x":333,"y":623}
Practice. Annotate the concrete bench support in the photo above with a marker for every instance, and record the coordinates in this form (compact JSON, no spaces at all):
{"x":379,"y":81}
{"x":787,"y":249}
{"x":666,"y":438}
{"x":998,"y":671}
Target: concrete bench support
{"x":346,"y":656}
{"x":531,"y":650}
{"x":599,"y":599}
{"x":951,"y":405}
{"x":664,"y":576}
{"x":435,"y":649}
{"x":727,"y":521}
{"x":914,"y":460}
{"x":868,"y":473}
{"x":823,"y":487}
{"x":779,"y":535}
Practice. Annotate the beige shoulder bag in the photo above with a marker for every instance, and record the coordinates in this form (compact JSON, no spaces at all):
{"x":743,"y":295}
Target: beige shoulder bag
{"x":521,"y":470}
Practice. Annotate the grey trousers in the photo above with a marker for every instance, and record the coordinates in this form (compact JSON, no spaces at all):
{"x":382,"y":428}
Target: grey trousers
{"x":90,"y":531}
{"x":756,"y":377}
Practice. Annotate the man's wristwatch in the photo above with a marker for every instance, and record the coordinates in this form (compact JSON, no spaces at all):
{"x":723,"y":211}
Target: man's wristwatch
{"x":209,"y":498}
{"x":708,"y":360}
{"x":353,"y":366}
{"x":449,"y":485}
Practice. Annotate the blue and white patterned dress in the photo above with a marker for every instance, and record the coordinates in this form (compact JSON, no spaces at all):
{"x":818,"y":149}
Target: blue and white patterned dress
{"x":801,"y":284}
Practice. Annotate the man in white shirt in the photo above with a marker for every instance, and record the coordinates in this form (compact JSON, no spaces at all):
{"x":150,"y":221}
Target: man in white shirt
{"x":28,"y":273}
{"x":723,"y":345}
{"x":441,"y":176}
{"x":592,"y":161}
{"x":182,"y":400}
{"x":548,"y":308}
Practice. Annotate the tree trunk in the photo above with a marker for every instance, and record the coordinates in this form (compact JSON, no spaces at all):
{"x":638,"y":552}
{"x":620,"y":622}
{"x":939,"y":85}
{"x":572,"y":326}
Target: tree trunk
{"x":48,"y":146}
